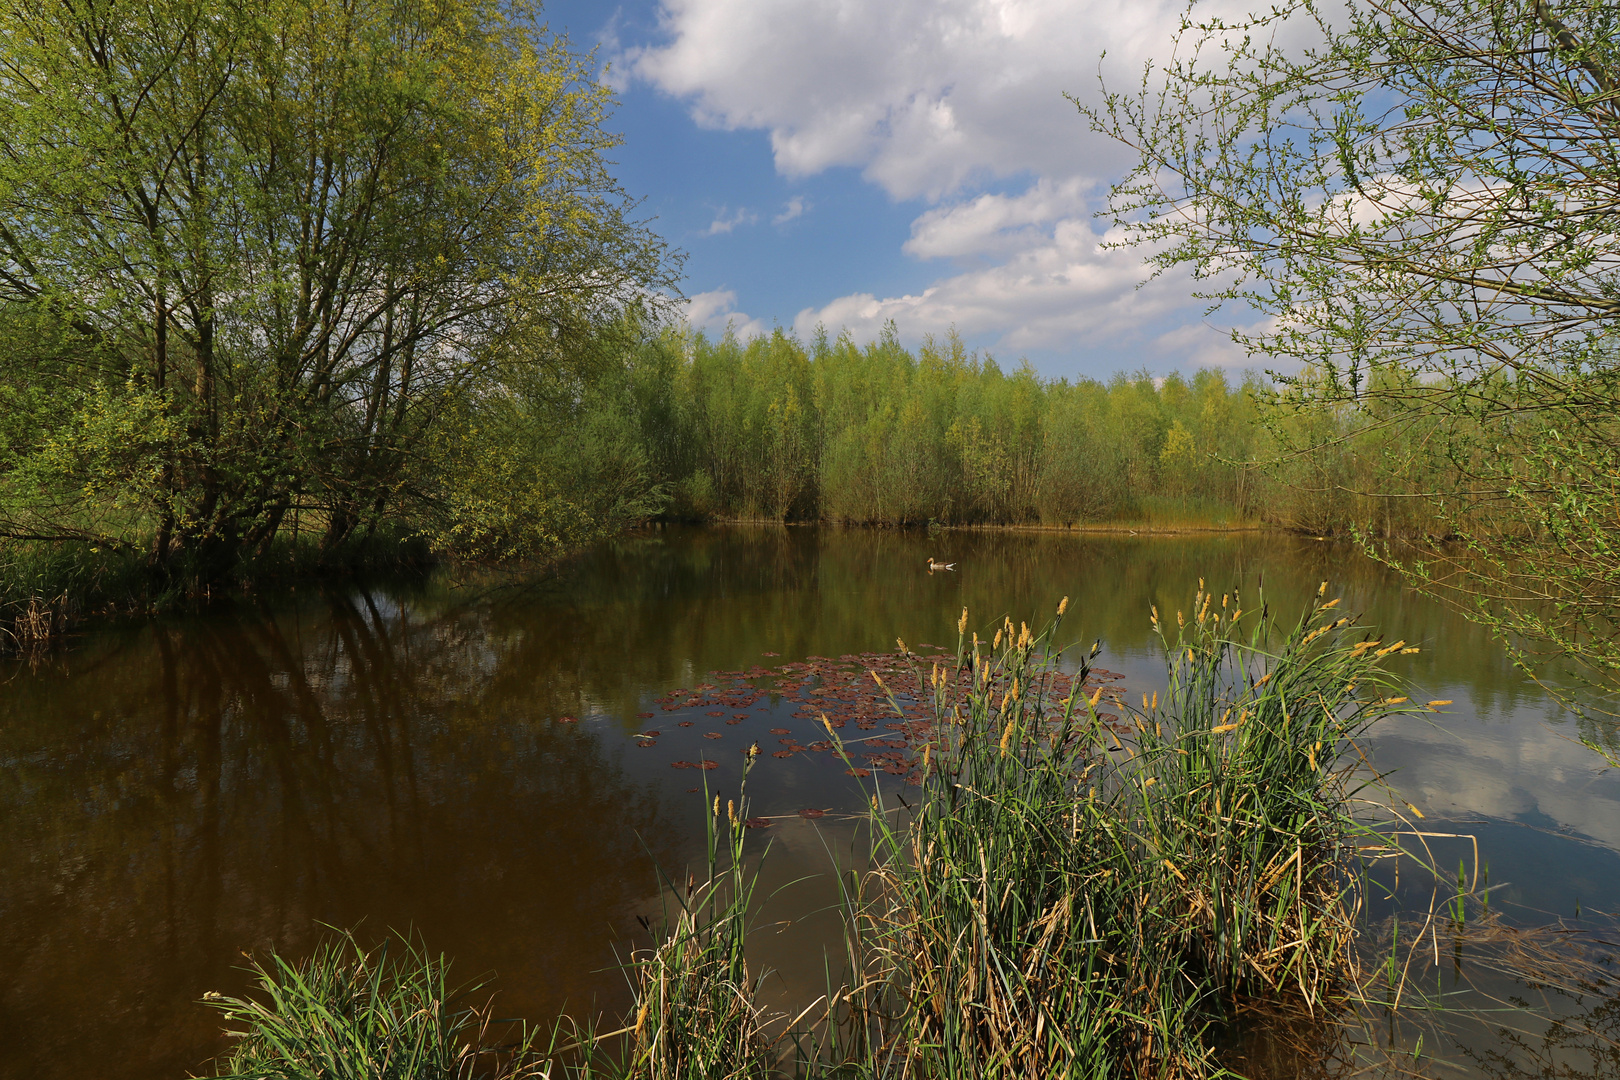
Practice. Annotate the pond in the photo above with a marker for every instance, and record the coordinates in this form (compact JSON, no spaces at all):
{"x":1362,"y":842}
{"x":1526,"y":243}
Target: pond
{"x":474,"y":763}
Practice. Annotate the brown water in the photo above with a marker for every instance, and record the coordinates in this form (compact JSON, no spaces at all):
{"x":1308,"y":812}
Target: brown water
{"x":175,"y":794}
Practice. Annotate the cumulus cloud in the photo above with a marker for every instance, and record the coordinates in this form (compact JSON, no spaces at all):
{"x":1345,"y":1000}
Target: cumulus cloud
{"x":1061,"y":287}
{"x":933,"y":100}
{"x":716,"y":312}
{"x":997,"y":225}
{"x":1199,"y":344}
{"x":923,"y":95}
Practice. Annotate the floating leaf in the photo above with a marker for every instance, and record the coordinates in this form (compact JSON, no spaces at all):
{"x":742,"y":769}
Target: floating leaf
{"x":705,"y":764}
{"x":781,"y":731}
{"x":757,"y":823}
{"x":812,"y":812}
{"x":781,"y":753}
{"x":686,"y":723}
{"x":711,"y":735}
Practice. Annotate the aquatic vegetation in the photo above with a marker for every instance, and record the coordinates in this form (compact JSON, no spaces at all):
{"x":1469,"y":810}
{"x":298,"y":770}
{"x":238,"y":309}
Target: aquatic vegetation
{"x":1085,"y":887}
{"x":352,"y":1013}
{"x":1067,"y":898}
{"x":1079,"y":886}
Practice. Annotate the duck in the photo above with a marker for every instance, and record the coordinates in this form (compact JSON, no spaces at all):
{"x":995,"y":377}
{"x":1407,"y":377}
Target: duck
{"x":932,"y":565}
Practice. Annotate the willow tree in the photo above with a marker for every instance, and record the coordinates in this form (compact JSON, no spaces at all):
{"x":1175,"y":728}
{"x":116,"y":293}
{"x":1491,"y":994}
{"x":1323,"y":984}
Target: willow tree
{"x":249,"y":252}
{"x":1419,"y":199}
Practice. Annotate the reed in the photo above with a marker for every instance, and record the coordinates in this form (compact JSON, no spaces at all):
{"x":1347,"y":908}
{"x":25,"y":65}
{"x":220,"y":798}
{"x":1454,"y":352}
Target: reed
{"x":695,"y":1012}
{"x":1089,"y":893}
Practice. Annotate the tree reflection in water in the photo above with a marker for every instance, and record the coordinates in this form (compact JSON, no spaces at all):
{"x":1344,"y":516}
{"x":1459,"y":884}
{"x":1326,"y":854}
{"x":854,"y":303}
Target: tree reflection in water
{"x":187,"y":791}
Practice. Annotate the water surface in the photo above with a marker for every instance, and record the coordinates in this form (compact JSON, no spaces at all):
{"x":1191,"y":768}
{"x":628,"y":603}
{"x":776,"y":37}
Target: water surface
{"x":462,"y":762}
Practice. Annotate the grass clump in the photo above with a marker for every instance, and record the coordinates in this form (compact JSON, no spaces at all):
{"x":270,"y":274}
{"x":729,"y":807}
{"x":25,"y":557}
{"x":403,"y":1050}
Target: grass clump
{"x":1090,"y":893}
{"x":351,"y":1013}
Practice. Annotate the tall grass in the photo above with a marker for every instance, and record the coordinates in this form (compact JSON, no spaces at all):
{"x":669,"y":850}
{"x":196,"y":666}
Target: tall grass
{"x":1089,"y":893}
{"x":696,"y":1014}
{"x":349,"y":1013}
{"x":1085,"y":887}
{"x":46,"y":587}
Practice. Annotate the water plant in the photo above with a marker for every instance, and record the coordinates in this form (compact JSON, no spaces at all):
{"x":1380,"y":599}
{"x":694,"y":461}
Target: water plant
{"x":1082,"y":887}
{"x":696,"y":1014}
{"x":1095,"y":894}
{"x":352,"y":1013}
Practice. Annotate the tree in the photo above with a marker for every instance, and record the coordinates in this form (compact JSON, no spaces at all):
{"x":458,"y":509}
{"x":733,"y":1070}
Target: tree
{"x":250,"y":252}
{"x":1420,"y":201}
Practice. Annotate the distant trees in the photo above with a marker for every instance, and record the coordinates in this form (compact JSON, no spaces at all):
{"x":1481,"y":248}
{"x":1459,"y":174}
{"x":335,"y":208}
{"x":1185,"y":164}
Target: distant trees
{"x":775,"y":428}
{"x":253,"y":254}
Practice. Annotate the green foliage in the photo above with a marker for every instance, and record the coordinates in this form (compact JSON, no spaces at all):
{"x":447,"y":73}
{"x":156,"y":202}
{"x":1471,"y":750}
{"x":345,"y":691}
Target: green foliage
{"x":1418,"y":197}
{"x":1069,"y":899}
{"x":349,"y":1013}
{"x":513,"y":476}
{"x":770,"y":428}
{"x":257,"y":251}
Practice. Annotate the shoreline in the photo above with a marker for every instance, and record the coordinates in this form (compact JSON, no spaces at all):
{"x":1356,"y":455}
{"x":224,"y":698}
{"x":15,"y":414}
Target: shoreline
{"x":1100,"y":528}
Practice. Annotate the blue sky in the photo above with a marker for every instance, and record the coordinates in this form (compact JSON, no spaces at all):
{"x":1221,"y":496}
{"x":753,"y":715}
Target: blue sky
{"x":847,"y":162}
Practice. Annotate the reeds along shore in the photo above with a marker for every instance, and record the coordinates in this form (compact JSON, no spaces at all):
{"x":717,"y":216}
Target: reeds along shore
{"x":1086,"y":885}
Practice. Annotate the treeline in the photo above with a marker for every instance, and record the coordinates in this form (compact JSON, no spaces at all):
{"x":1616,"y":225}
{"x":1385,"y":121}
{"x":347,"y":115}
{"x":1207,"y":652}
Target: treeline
{"x":775,"y":428}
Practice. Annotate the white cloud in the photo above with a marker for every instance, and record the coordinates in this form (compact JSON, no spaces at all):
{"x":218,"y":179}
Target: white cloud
{"x":1059,"y":286}
{"x":996,"y":225}
{"x":932,"y":100}
{"x":715,"y":312}
{"x":796,"y":207}
{"x":1200,"y":344}
{"x":923,"y":95}
{"x":723,"y":223}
